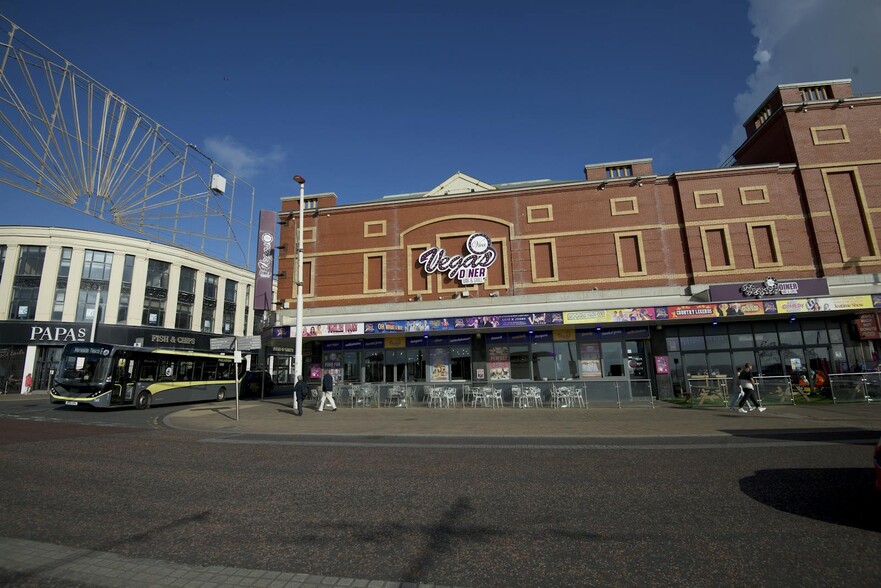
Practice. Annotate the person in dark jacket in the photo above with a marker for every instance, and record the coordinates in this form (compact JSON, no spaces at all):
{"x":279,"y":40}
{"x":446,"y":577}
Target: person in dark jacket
{"x":299,"y":388}
{"x":748,"y":384}
{"x":327,"y":392}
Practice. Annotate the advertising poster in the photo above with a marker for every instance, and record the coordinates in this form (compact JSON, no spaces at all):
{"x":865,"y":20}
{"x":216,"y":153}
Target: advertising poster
{"x":440,"y":364}
{"x":333,"y":329}
{"x":662,"y":364}
{"x":691,"y":311}
{"x":265,"y":261}
{"x":499,"y":363}
{"x":750,"y":308}
{"x":564,"y":335}
{"x":333,"y":364}
{"x":824,"y":304}
{"x":867,"y":326}
{"x":580,"y":317}
{"x":591,"y":364}
{"x":629,"y":315}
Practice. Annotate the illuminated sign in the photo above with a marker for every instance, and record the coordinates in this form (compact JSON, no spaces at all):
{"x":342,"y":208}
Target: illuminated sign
{"x":468,"y":269}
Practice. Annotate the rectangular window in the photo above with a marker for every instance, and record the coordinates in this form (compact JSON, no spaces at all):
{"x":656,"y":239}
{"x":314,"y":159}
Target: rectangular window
{"x":30,"y":260}
{"x":157,"y":274}
{"x":619,"y":171}
{"x":247,"y":306}
{"x":209,"y":303}
{"x":184,"y":317}
{"x":26,"y":285}
{"x":460,"y":363}
{"x":307,"y":278}
{"x":154,"y":312}
{"x":95,"y":281}
{"x":631,"y":256}
{"x":61,"y":284}
{"x":763,"y":243}
{"x":211,"y":282}
{"x":2,"y":259}
{"x":187,"y":280}
{"x":96,"y":266}
{"x":128,"y":270}
{"x":717,"y":248}
{"x":814,"y":93}
{"x":229,"y":306}
{"x":544,"y":260}
{"x":419,"y":281}
{"x":415,"y":365}
{"x":155,"y":293}
{"x":851,"y":215}
{"x":374,"y":272}
{"x":764,"y":115}
{"x":230,"y":291}
{"x":64,"y":267}
{"x":186,"y":297}
{"x":87,"y":304}
{"x":58,"y":305}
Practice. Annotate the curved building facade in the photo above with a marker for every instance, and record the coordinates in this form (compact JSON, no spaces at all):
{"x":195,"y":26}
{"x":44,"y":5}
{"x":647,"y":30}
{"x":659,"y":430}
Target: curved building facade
{"x":62,"y":285}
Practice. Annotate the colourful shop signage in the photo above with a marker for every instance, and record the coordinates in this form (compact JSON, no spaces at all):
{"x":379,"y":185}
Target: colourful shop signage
{"x":824,"y":304}
{"x":468,"y":269}
{"x":600,"y":317}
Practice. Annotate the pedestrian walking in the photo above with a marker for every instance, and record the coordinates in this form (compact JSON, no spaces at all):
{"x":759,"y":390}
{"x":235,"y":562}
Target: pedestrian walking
{"x":327,"y":392}
{"x":735,"y":398}
{"x":28,"y":384}
{"x":298,"y":396}
{"x":748,"y":384}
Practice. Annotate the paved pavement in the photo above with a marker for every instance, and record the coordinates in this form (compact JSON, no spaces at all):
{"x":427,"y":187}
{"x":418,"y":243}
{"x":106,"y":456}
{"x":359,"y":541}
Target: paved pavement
{"x":274,"y":416}
{"x":29,"y":563}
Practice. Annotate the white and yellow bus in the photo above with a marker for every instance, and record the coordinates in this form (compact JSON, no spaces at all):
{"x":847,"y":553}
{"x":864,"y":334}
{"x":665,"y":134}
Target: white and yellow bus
{"x":105,"y":376}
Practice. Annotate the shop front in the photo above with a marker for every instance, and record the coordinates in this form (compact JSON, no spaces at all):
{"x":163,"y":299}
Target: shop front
{"x":658,"y":348}
{"x":34,"y":347}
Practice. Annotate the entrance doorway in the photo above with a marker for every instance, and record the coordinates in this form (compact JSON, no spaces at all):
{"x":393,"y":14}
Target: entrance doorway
{"x":47,"y":362}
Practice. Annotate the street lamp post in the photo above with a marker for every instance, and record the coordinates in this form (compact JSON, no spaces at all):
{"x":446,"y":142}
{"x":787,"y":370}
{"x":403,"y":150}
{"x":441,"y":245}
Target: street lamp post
{"x":298,"y":347}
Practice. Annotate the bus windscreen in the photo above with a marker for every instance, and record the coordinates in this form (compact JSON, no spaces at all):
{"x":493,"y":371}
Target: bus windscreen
{"x":84,"y":364}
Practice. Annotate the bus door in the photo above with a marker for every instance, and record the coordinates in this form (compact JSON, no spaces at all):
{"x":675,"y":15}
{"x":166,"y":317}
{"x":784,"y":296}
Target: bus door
{"x":123,"y":381}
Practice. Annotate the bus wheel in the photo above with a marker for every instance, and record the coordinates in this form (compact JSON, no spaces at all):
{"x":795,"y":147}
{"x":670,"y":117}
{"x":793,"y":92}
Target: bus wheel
{"x":221,"y":394}
{"x":143,"y":400}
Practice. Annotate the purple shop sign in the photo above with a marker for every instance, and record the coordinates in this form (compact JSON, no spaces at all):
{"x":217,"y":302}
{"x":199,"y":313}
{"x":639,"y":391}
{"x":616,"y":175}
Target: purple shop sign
{"x":768,"y":288}
{"x":265,"y":261}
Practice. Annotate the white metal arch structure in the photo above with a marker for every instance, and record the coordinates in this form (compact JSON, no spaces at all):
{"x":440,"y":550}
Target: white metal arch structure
{"x":69,"y":139}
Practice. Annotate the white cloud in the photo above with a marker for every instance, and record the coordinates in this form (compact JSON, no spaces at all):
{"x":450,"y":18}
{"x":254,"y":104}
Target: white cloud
{"x":244,"y":162}
{"x":809,"y":40}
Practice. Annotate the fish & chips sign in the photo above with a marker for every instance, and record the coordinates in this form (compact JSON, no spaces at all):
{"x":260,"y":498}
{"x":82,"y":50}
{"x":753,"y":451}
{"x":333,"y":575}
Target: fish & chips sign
{"x":468,"y":269}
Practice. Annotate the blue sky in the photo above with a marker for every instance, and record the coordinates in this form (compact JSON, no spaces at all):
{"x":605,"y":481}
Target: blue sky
{"x":370,"y":98}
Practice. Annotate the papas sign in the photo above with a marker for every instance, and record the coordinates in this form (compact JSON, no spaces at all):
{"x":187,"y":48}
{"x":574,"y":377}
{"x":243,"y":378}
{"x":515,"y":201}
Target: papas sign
{"x":468,"y":269}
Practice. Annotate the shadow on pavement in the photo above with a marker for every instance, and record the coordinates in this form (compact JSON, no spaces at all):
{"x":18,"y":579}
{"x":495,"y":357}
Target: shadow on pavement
{"x":847,"y":436}
{"x":840,"y":496}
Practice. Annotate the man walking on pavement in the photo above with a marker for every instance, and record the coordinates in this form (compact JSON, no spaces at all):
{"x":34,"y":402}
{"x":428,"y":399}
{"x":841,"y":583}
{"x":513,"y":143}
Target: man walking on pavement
{"x":327,"y":392}
{"x":298,"y":396}
{"x":748,"y":384}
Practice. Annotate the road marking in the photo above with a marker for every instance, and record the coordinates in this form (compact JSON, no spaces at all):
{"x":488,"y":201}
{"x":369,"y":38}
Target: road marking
{"x":731,"y":443}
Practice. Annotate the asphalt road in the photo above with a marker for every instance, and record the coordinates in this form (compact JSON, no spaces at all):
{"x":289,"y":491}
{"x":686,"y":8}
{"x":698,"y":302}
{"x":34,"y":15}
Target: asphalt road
{"x":625,"y":512}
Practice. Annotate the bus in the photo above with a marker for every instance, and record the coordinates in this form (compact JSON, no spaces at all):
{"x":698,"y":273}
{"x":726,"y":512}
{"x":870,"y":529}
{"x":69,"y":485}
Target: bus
{"x":105,"y":376}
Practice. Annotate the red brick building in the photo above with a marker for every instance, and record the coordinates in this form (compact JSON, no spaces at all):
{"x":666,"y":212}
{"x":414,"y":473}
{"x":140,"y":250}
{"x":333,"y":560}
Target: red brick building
{"x":772,"y":260}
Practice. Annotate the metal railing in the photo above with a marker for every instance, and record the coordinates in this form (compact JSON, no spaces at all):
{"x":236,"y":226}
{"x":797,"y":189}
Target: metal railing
{"x":787,"y":390}
{"x":522,"y":394}
{"x":855,"y":387}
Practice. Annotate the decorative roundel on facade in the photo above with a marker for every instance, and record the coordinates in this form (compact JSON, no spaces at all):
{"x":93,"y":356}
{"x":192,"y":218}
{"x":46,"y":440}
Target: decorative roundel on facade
{"x":478,"y":243}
